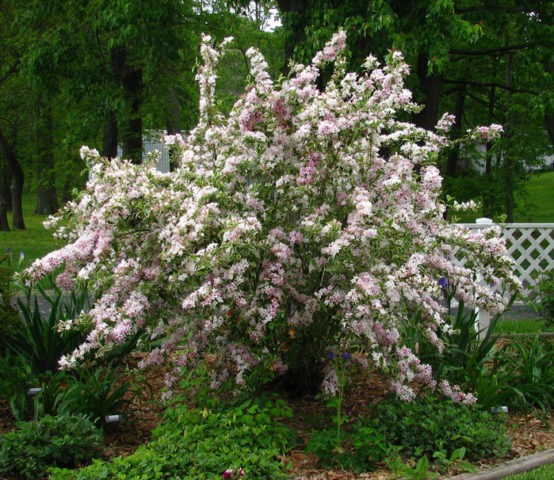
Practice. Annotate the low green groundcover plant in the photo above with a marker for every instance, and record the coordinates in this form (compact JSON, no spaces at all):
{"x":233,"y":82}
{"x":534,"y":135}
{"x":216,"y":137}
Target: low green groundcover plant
{"x":200,"y":444}
{"x":362,"y":446}
{"x":63,"y":441}
{"x":429,"y":424}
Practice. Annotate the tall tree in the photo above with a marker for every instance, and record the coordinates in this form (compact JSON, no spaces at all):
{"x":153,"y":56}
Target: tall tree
{"x":47,"y":198}
{"x":12,"y":100}
{"x":5,"y":180}
{"x":507,"y":82}
{"x":8,"y":152}
{"x":458,"y":52}
{"x":114,"y":54}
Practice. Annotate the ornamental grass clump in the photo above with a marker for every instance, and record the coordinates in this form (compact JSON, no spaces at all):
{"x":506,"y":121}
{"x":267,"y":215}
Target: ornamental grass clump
{"x":306,"y":220}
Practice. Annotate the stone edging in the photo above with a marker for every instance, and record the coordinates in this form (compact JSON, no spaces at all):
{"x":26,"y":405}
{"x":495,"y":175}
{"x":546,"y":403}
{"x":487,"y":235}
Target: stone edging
{"x":519,"y":465}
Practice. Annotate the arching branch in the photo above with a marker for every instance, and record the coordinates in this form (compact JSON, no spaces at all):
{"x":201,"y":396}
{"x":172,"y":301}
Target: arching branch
{"x":490,"y":51}
{"x":491,"y":84}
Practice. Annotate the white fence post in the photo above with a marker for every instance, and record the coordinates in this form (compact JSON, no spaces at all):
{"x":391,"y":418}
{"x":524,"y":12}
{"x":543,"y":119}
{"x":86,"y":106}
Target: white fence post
{"x":483,"y":319}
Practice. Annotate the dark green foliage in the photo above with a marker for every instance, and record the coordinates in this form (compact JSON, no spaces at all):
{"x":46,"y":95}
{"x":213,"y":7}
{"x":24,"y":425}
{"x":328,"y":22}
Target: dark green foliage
{"x":464,"y":187}
{"x":543,"y":303}
{"x":34,"y":347}
{"x":467,"y":351}
{"x":94,"y":393}
{"x":63,"y":441}
{"x":36,"y":336}
{"x":52,"y":397}
{"x":97,"y":393}
{"x":524,"y":371}
{"x":520,"y":376}
{"x":15,"y":380}
{"x":361,"y":447}
{"x":429,"y":424}
{"x":8,"y":314}
{"x":199,"y":445}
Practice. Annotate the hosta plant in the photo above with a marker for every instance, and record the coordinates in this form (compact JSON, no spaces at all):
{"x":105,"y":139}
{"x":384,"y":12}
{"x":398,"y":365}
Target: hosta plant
{"x":305,"y":220}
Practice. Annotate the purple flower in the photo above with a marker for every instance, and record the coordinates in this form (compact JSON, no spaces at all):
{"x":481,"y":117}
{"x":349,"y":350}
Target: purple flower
{"x":227,"y":473}
{"x":330,"y":355}
{"x":346,"y":356}
{"x":443,"y":283}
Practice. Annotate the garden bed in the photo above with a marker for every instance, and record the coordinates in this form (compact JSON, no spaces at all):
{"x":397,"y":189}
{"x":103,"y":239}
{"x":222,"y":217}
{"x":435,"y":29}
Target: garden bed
{"x":527,"y":432}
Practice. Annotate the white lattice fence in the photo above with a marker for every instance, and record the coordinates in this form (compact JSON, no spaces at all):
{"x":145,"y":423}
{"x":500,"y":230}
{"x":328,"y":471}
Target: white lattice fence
{"x":532,"y":247}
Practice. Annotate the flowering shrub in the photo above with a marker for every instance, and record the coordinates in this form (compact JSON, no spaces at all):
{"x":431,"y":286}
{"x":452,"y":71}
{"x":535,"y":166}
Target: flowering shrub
{"x":305,"y":220}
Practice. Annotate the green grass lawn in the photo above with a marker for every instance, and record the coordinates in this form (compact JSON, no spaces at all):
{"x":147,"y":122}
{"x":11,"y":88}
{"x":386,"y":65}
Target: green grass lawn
{"x":34,"y":242}
{"x":529,"y":326}
{"x":535,"y":204}
{"x":539,"y":200}
{"x":543,"y":473}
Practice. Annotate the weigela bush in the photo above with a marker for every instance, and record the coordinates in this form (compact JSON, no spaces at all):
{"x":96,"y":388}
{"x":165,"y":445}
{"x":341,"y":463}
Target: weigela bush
{"x":306,"y":219}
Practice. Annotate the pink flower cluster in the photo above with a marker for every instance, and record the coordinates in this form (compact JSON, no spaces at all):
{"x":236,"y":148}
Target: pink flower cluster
{"x":282,"y":217}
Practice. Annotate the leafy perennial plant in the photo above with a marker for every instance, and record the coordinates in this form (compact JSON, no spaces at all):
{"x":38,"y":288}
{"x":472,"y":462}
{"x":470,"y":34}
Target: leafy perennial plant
{"x":306,"y":220}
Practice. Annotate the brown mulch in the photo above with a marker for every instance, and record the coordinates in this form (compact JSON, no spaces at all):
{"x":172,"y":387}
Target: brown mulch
{"x":528,"y":433}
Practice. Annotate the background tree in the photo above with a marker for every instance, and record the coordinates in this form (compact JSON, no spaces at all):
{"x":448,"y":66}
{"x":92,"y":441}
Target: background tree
{"x":462,"y":62}
{"x":505,"y":81}
{"x":104,"y":73}
{"x":12,"y":101}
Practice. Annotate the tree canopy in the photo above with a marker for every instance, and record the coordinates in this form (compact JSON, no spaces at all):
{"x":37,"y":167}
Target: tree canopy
{"x":103,"y":73}
{"x":484,"y":61}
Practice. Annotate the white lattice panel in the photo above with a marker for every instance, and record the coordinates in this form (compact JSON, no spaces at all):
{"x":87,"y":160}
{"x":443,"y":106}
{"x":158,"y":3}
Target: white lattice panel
{"x":532,"y":247}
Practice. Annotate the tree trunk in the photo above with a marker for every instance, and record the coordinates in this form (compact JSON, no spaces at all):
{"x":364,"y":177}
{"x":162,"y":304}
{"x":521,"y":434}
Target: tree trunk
{"x":47,"y":200}
{"x":173,"y":115}
{"x":549,"y":121}
{"x":18,"y":221}
{"x":4,"y":225}
{"x":109,"y":138}
{"x":173,"y":124}
{"x":431,"y":86}
{"x":452,"y":162}
{"x":8,"y":153}
{"x":130,"y":125}
{"x":549,"y":114}
{"x":5,"y":182}
{"x":488,"y":191}
{"x":294,"y":24}
{"x":509,"y":161}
